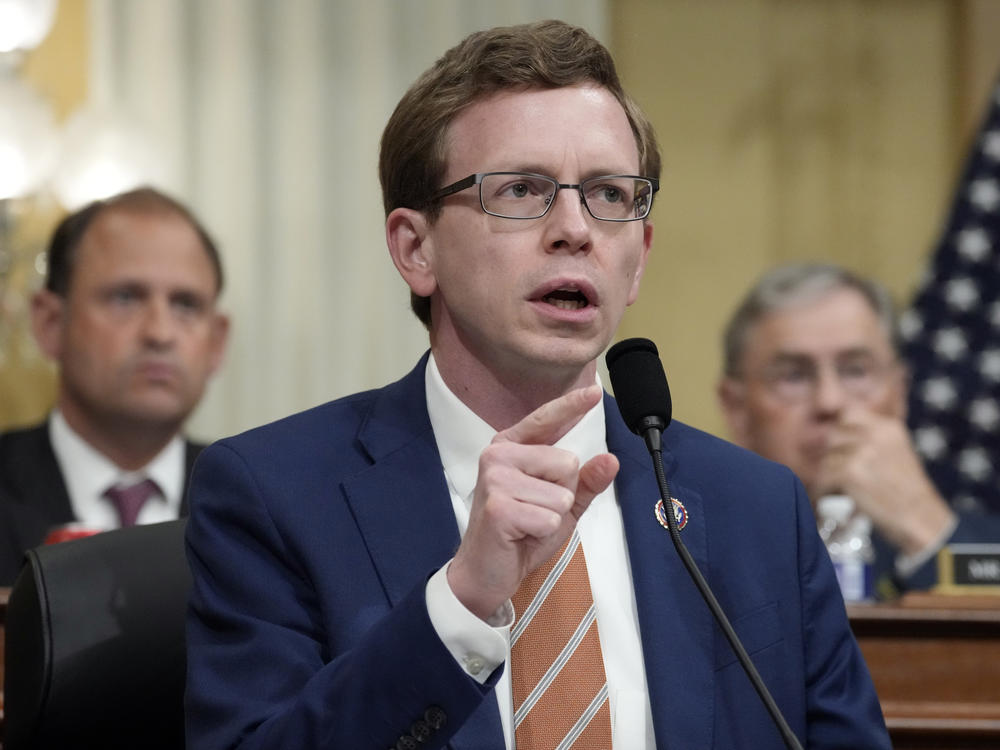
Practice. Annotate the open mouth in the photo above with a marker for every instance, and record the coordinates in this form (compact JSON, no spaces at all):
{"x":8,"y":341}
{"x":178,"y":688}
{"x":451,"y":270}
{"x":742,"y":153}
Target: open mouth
{"x":566,"y":299}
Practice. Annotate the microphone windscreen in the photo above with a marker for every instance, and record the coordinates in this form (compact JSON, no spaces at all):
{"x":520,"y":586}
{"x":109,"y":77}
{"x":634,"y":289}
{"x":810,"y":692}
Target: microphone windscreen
{"x":639,"y":383}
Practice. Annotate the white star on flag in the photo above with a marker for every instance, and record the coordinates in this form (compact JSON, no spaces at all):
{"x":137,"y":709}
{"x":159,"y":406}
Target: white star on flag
{"x":950,"y":343}
{"x":985,"y":414}
{"x":968,"y":504}
{"x":974,"y":243}
{"x":991,"y":145}
{"x":989,"y":365}
{"x":930,"y":442}
{"x":985,"y":195}
{"x":961,"y":294}
{"x":974,"y":463}
{"x":939,"y":393}
{"x":910,"y":324}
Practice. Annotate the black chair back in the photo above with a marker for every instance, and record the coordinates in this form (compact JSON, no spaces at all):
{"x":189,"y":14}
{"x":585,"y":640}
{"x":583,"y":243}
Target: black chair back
{"x":95,"y":643}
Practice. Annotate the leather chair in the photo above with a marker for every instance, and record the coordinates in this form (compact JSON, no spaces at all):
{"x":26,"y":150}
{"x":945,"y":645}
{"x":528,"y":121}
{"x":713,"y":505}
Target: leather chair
{"x":95,"y":643}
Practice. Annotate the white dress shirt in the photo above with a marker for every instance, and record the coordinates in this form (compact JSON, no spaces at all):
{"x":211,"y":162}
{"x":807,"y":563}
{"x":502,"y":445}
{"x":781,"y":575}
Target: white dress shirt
{"x":89,"y":473}
{"x":461,"y":436}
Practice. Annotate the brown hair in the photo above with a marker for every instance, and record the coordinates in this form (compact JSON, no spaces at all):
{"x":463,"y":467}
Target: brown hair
{"x":541,"y":55}
{"x":70,"y":232}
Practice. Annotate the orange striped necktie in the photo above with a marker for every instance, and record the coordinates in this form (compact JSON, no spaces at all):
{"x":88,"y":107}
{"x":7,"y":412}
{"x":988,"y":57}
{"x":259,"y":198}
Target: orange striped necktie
{"x":557,"y":672}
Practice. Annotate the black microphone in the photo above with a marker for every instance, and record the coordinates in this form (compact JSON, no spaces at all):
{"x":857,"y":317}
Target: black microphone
{"x":643,"y":397}
{"x":640,"y":387}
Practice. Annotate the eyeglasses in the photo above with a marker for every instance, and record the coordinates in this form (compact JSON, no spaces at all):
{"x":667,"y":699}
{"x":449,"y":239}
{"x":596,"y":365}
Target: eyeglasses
{"x":796,"y":381}
{"x":524,"y":195}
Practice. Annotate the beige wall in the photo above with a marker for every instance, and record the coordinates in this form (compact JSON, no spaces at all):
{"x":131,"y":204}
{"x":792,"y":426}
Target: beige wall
{"x":59,"y":66}
{"x":793,"y":129}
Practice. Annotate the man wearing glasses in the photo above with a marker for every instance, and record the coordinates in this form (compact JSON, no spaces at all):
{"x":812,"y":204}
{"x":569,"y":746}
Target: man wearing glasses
{"x":812,"y":379}
{"x":471,"y":557}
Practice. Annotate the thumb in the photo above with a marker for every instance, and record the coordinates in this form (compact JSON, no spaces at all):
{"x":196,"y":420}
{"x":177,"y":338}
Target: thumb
{"x":595,"y":476}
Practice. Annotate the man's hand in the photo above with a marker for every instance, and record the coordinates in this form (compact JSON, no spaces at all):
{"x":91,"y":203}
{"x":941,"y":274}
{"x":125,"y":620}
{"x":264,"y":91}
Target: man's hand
{"x":527,"y":500}
{"x":870,"y":458}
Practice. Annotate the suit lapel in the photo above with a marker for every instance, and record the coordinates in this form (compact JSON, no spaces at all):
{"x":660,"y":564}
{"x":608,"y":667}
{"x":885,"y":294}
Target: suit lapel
{"x":675,"y":624}
{"x":401,"y":502}
{"x":34,"y":477}
{"x":403,"y":509}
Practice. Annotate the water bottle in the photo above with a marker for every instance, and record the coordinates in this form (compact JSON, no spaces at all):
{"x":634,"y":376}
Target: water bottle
{"x":848,"y":539}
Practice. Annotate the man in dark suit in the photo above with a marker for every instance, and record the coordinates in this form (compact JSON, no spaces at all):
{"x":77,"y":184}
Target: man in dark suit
{"x":813,"y":380}
{"x":128,"y":313}
{"x":379,"y":571}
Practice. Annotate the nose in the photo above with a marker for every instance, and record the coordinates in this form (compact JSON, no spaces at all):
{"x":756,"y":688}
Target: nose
{"x":158,"y":325}
{"x":830,"y":396}
{"x":567,"y":224}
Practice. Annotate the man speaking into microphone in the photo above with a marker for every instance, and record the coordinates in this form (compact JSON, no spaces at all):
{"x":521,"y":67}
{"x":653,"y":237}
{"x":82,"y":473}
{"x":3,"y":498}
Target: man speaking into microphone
{"x":473,"y":556}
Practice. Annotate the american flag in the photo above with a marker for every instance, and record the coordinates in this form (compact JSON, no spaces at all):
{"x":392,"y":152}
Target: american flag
{"x":951,"y":337}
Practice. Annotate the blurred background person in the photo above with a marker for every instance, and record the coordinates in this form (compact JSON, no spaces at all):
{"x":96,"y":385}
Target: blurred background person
{"x":128,"y":314}
{"x":813,"y":379}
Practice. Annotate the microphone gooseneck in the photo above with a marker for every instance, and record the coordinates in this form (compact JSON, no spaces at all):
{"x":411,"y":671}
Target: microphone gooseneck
{"x":643,"y":397}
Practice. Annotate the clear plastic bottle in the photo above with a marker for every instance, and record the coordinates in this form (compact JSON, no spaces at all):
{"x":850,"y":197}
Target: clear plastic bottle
{"x":848,"y":539}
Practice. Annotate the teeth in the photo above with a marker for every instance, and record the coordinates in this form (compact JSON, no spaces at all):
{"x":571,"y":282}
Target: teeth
{"x":566,"y":304}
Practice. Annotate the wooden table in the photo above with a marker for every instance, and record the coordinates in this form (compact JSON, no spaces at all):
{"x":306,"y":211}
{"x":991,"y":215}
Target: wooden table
{"x":935,"y":660}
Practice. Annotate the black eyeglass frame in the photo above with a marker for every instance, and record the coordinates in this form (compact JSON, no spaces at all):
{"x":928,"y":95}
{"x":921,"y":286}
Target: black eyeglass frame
{"x":478,"y":177}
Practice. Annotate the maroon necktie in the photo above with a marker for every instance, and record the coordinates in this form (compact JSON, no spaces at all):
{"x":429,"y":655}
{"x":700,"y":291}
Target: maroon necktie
{"x":128,"y":501}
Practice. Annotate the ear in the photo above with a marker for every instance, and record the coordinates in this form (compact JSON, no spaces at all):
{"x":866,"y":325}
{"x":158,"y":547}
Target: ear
{"x":220,"y":337}
{"x":407,"y":236}
{"x":48,"y":314}
{"x":732,"y":400}
{"x":647,"y":243}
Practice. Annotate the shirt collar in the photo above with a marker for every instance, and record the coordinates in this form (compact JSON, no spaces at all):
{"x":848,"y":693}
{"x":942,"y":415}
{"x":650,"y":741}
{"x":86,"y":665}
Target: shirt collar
{"x":462,"y":435}
{"x":88,"y":472}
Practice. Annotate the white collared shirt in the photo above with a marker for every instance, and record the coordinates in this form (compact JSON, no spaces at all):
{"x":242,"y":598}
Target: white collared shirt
{"x":461,"y":436}
{"x":88,"y":473}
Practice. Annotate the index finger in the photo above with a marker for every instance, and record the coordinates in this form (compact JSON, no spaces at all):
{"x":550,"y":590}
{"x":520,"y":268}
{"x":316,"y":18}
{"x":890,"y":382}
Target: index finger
{"x":550,"y":421}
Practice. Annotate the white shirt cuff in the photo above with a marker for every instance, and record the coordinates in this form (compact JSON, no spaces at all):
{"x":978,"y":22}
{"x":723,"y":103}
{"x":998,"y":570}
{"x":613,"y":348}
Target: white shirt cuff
{"x":479,"y":647}
{"x":907,"y":565}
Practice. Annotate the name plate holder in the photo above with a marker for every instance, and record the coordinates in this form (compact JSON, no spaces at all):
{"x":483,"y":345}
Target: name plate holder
{"x":969,"y":568}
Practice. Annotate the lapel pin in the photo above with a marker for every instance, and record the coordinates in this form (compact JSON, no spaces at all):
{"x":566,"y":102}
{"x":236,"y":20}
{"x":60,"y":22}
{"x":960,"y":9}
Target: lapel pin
{"x":680,"y":514}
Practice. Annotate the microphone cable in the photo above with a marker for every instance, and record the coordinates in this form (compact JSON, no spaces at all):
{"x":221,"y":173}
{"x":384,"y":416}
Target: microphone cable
{"x":647,"y":415}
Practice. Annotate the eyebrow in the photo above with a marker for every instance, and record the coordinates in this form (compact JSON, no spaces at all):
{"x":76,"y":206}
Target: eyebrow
{"x":586,"y":175}
{"x":119,"y":284}
{"x":853,"y":352}
{"x":790,"y":358}
{"x":147,"y":288}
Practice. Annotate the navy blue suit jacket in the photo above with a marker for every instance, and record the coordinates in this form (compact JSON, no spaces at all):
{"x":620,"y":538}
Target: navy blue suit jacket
{"x":311,"y":540}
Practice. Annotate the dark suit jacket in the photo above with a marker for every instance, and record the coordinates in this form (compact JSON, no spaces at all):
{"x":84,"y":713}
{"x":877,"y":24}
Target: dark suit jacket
{"x":311,"y":540}
{"x":33,"y":495}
